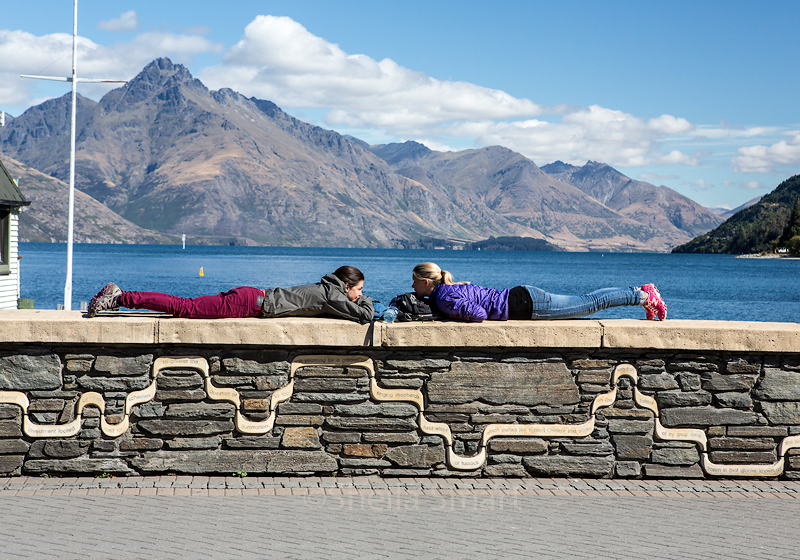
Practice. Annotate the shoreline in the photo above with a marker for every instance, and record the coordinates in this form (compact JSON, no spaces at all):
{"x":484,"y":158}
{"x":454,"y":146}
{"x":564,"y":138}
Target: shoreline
{"x":766,"y":256}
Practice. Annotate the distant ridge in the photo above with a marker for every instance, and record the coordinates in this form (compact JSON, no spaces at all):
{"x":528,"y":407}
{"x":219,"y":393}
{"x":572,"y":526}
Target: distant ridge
{"x":660,"y":207}
{"x":726,"y":213}
{"x":45,"y":220}
{"x":753,"y":229}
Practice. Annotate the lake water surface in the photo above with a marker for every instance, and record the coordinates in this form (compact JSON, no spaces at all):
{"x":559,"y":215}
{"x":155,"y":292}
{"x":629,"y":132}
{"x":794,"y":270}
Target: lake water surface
{"x":718,"y":287}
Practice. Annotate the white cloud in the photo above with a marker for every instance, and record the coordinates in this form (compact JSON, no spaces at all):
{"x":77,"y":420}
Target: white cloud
{"x":127,"y":21}
{"x":764,"y":159}
{"x":667,"y":124}
{"x":752,"y":185}
{"x":725,"y":131}
{"x":279,"y":60}
{"x":24,"y":53}
{"x":655,"y":177}
{"x":594,"y":133}
{"x":702,"y":185}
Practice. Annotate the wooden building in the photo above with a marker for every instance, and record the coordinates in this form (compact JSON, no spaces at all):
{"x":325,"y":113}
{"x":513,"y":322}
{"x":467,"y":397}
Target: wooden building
{"x":11,"y":201}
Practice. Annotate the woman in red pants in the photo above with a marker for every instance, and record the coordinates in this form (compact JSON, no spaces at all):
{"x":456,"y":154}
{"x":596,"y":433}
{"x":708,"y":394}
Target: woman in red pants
{"x":338,"y":294}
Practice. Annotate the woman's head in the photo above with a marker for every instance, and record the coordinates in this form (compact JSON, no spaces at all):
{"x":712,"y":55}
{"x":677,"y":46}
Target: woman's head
{"x":426,"y":276}
{"x":353,"y":281}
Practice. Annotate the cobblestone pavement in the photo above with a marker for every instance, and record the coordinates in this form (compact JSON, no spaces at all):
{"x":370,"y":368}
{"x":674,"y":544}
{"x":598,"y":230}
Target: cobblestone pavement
{"x":178,"y":517}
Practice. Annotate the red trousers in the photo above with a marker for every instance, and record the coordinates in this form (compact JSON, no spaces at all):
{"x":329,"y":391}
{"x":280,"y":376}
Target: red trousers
{"x":238,"y":302}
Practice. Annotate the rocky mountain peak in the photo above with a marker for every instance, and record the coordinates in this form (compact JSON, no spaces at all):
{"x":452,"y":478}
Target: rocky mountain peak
{"x":161,"y":71}
{"x":397,"y":152}
{"x":558,"y":166}
{"x":161,"y":78}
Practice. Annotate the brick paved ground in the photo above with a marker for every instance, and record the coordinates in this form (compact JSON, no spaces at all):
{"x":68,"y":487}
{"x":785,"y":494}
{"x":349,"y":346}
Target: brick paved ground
{"x":263,"y":517}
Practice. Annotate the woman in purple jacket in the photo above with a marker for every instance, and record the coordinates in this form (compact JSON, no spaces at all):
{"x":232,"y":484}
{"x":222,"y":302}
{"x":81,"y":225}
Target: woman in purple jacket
{"x":462,"y":300}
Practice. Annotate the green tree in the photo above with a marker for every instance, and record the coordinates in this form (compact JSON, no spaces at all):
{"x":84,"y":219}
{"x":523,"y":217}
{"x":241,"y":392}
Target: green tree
{"x":792,"y":227}
{"x":794,"y":245}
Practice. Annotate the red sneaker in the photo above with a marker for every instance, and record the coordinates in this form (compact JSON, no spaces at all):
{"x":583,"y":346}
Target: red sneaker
{"x":654,"y":306}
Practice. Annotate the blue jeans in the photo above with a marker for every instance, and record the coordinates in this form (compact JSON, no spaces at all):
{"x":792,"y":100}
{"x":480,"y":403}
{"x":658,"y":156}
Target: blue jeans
{"x":555,"y":306}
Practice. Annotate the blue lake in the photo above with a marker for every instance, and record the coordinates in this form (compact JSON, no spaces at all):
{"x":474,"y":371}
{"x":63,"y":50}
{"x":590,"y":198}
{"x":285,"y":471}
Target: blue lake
{"x":694,"y":286}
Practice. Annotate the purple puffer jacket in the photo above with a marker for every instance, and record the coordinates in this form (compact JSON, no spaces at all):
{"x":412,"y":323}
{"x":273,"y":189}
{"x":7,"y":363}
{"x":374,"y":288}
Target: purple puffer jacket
{"x":467,"y":301}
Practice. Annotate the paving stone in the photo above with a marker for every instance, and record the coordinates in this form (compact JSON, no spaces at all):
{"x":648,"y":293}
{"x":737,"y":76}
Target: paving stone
{"x":365,"y":450}
{"x":77,"y":465}
{"x":250,"y":461}
{"x":778,"y":385}
{"x":630,"y":426}
{"x":594,"y":448}
{"x":300,"y":438}
{"x":733,"y":400}
{"x":394,"y":437}
{"x":632,"y":446}
{"x":376,"y":409}
{"x":743,"y":457}
{"x":25,"y":372}
{"x":192,"y":381}
{"x":13,"y":446}
{"x":705,"y":416}
{"x":742,"y":366}
{"x":506,"y":469}
{"x":756,"y":431}
{"x":713,"y":381}
{"x":689,"y":381}
{"x":299,"y":420}
{"x":504,"y":383}
{"x":563,"y":465}
{"x":324,"y":385}
{"x":252,"y":442}
{"x":416,"y":456}
{"x":745,"y":444}
{"x":124,"y":366}
{"x":194,"y":443}
{"x":200,"y":410}
{"x":371,"y":424}
{"x":526,"y":446}
{"x":10,"y":429}
{"x":675,"y":456}
{"x":782,"y":412}
{"x":666,"y":471}
{"x":680,"y":398}
{"x":10,"y":464}
{"x":657,"y":382}
{"x":628,"y":469}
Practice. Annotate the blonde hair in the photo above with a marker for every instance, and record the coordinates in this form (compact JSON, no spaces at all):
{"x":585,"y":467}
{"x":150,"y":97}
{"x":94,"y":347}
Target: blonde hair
{"x":431,"y":272}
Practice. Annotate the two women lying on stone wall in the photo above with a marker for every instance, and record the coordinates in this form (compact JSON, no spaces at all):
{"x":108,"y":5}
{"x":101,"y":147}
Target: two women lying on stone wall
{"x":340,"y":294}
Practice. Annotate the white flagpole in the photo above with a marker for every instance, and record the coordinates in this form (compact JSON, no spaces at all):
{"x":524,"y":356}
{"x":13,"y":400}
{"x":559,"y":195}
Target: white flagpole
{"x":71,"y":207}
{"x":71,"y":210}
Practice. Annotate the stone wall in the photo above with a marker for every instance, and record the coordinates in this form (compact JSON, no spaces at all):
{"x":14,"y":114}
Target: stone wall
{"x":566,"y":398}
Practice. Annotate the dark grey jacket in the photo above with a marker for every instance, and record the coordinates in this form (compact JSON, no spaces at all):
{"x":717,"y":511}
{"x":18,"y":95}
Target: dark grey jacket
{"x":326,"y":297}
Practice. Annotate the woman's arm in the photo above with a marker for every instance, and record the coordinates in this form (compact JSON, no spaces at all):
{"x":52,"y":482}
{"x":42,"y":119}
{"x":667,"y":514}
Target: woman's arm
{"x":458,"y":304}
{"x":338,"y":304}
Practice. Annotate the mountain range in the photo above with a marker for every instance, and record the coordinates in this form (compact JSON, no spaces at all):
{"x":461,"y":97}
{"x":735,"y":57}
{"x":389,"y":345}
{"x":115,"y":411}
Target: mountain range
{"x":169,"y":156}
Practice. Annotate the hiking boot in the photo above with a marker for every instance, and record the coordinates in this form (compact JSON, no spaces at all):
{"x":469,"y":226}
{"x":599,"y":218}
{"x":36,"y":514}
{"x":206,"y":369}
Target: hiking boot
{"x":654,"y":306}
{"x":105,"y":300}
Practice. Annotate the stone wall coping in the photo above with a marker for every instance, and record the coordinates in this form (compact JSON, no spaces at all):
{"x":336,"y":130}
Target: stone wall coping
{"x":72,"y":327}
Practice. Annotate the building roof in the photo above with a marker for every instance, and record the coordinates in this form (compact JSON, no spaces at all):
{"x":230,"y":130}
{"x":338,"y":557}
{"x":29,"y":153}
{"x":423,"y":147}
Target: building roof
{"x":10,"y":195}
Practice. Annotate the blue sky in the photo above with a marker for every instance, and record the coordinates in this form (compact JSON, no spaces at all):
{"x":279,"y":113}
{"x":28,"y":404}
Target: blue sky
{"x":698,"y":96}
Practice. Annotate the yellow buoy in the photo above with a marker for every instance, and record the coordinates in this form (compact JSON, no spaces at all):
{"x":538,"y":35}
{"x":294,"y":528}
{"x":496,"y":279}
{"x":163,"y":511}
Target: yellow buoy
{"x":201,"y":271}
